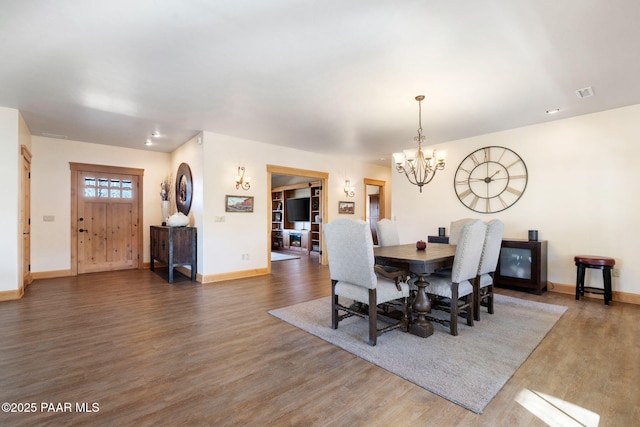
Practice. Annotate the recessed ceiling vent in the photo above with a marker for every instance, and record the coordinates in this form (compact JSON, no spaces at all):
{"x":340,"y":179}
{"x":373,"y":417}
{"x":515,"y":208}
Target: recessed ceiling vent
{"x":587,"y":92}
{"x":54,"y":135}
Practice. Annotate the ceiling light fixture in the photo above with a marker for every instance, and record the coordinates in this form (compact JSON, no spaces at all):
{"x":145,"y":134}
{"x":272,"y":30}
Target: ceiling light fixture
{"x":156,"y":134}
{"x":553,"y":111}
{"x":148,"y":142}
{"x":242,"y":181}
{"x":418,"y":166}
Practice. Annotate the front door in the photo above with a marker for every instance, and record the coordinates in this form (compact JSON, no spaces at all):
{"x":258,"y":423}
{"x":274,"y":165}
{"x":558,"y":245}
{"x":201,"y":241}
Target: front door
{"x":107,"y":221}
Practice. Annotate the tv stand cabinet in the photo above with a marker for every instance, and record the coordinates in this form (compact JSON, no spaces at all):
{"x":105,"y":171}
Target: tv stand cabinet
{"x":522,"y":265}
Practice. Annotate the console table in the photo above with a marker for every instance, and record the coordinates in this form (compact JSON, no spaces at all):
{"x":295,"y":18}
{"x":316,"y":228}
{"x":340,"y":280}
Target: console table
{"x":174,"y":246}
{"x":522,"y":263}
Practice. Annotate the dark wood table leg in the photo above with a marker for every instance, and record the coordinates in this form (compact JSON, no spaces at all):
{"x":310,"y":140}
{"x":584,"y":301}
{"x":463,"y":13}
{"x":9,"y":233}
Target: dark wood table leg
{"x":421,"y":305}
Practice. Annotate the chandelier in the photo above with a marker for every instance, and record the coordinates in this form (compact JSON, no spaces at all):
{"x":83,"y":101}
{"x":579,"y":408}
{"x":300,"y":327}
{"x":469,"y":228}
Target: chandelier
{"x":419,"y":166}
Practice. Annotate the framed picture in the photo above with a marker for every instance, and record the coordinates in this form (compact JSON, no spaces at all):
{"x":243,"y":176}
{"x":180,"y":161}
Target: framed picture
{"x":238,"y":203}
{"x":346,"y":207}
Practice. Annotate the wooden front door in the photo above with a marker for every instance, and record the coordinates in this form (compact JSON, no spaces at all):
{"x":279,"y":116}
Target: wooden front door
{"x":107,"y":221}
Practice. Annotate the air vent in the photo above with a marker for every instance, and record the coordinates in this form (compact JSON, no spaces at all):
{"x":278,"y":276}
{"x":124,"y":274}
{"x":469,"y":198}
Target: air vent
{"x":54,"y":135}
{"x":587,"y":92}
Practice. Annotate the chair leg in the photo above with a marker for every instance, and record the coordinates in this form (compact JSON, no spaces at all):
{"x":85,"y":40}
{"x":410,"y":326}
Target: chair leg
{"x":470,"y":308}
{"x":373,"y":318}
{"x":334,"y":305}
{"x":453,"y":309}
{"x":476,"y":298}
{"x":490,"y":299}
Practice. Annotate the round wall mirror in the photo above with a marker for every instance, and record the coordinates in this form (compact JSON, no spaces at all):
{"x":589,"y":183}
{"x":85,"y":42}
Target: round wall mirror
{"x":184,"y":189}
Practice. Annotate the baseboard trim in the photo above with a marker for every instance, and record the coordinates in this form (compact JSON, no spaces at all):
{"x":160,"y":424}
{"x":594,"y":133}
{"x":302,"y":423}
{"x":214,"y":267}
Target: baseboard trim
{"x":50,"y":274}
{"x":626,"y":297}
{"x":11,"y":295}
{"x":211,"y":278}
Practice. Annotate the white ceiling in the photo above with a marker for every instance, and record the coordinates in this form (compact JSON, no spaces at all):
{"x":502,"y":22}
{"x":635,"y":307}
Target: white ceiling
{"x":325,"y":76}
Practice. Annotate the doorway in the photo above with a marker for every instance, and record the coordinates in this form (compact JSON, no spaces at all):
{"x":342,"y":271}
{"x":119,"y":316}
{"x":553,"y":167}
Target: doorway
{"x":106,"y":215}
{"x":375,"y":204}
{"x":320,"y":194}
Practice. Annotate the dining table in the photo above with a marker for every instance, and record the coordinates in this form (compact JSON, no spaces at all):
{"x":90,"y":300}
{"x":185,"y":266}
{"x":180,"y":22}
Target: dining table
{"x":421,"y":263}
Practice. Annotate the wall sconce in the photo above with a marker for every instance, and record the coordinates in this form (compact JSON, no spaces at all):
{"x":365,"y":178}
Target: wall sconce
{"x":242,"y":181}
{"x":348,"y":189}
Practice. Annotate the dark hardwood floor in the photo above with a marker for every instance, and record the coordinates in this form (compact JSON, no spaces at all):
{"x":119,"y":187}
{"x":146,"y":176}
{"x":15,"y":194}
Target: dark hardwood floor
{"x":153,"y":354}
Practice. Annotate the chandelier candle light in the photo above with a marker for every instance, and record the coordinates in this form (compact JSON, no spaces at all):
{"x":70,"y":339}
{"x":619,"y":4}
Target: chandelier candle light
{"x":419,"y":166}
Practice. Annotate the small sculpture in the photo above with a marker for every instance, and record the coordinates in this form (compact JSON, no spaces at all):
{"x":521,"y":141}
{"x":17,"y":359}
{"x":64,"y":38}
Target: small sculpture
{"x":178,"y":219}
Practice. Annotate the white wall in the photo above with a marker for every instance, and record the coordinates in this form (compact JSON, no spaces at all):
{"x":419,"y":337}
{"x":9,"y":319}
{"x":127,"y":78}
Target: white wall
{"x":191,"y":154}
{"x":227,"y":235}
{"x":213,"y":166}
{"x":50,"y":193}
{"x":10,"y":170}
{"x":581,"y":195}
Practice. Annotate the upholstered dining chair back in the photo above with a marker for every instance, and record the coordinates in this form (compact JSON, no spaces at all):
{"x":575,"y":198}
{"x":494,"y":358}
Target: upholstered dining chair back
{"x":387,"y":233}
{"x":455,"y":229}
{"x":468,"y":251}
{"x":492,"y":244}
{"x":483,"y":284}
{"x":350,"y":252}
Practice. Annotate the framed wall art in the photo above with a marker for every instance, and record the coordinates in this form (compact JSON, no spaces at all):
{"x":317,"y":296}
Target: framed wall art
{"x":238,"y":204}
{"x":346,"y":207}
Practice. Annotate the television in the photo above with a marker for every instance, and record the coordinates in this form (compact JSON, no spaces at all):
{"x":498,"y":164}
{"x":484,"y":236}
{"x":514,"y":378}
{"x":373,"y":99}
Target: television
{"x":298,"y":209}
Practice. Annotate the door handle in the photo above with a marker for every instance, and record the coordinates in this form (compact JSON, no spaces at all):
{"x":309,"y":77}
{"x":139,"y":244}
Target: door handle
{"x":82,"y":230}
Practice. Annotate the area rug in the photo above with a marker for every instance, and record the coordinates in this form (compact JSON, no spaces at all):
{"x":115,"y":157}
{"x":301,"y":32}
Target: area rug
{"x":468,"y":369}
{"x":276,"y":256}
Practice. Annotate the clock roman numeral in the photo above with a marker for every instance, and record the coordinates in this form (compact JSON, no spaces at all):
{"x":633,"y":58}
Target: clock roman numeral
{"x":474,"y":202}
{"x":514,"y":163}
{"x":465,"y":193}
{"x":487,"y":154}
{"x":514,"y":191}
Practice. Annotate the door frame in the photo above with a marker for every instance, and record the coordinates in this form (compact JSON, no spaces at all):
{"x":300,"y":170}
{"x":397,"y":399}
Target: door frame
{"x":86,"y":167}
{"x":383,"y":200}
{"x":323,"y":177}
{"x":25,"y":217}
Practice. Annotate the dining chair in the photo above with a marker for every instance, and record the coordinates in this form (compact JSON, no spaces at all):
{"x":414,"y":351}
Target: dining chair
{"x":354,"y":276}
{"x":483,"y":283}
{"x":455,"y":228}
{"x":387,"y":233}
{"x":453,"y":292}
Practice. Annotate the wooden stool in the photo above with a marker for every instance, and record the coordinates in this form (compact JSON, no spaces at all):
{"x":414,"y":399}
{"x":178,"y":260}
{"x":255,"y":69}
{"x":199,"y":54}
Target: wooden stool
{"x":603,"y":263}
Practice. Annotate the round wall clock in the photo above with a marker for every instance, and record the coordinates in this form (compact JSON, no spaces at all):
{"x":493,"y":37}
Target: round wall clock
{"x":491,"y":179}
{"x":184,"y":188}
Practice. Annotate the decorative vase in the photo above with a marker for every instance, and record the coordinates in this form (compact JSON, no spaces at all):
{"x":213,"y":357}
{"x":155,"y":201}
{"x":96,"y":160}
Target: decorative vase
{"x":166,"y":210}
{"x":178,"y":219}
